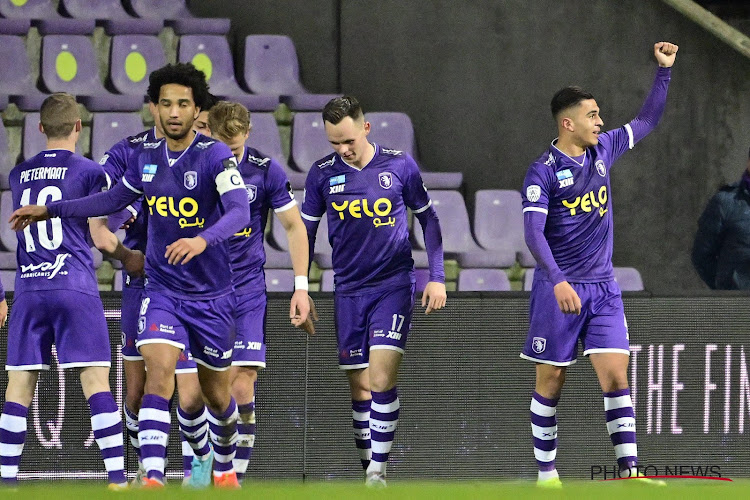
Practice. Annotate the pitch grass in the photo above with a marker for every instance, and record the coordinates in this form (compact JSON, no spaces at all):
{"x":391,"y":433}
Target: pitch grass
{"x":436,"y":490}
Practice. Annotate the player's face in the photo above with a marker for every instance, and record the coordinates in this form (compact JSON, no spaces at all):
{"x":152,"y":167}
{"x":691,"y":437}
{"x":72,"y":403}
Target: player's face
{"x":349,"y":138}
{"x":154,"y":110}
{"x":236,"y":143}
{"x":587,"y":123}
{"x":201,"y":124}
{"x":177,"y":110}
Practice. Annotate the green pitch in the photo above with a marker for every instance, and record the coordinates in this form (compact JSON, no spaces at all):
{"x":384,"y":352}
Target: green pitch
{"x":453,"y":490}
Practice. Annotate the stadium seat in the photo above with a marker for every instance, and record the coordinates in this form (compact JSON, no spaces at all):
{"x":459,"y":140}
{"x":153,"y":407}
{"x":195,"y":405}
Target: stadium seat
{"x":442,"y":180}
{"x":323,"y":248}
{"x":117,"y":285}
{"x":66,"y":26}
{"x":8,"y":260}
{"x":29,"y":9}
{"x":6,"y":162}
{"x":8,"y":279}
{"x":131,"y":59}
{"x":393,"y":131}
{"x":279,"y":280}
{"x":264,"y":136}
{"x":276,"y":259}
{"x":132,"y":26}
{"x":309,"y":140}
{"x":95,"y":9}
{"x":422,"y":278}
{"x":326,"y":280}
{"x":454,"y":223}
{"x":16,"y":78}
{"x":16,"y":27}
{"x":483,"y":280}
{"x":271,"y":67}
{"x":176,"y":14}
{"x":109,"y":128}
{"x":628,"y":279}
{"x":528,"y":279}
{"x":7,"y":235}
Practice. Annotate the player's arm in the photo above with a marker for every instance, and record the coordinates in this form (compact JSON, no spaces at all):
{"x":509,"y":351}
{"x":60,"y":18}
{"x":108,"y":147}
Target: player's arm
{"x":708,"y":240}
{"x":296,"y":234}
{"x":3,"y":307}
{"x":313,"y":209}
{"x":108,"y":243}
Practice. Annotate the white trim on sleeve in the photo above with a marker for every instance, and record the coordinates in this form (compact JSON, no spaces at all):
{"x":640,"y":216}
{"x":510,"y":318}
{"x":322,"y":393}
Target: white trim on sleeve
{"x":536,"y":209}
{"x":127,"y":184}
{"x":419,"y":211}
{"x":631,"y":141}
{"x":285,"y":207}
{"x":310,"y":217}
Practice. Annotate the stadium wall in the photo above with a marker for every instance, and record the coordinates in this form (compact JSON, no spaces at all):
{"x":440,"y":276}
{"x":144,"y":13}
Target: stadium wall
{"x":477,"y":77}
{"x":465,"y":396}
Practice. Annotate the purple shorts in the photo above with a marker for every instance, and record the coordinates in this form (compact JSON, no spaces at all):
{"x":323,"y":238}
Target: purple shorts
{"x":205,"y":326}
{"x":73,"y":321}
{"x":378,"y":320}
{"x":553,"y":336}
{"x":250,"y":320}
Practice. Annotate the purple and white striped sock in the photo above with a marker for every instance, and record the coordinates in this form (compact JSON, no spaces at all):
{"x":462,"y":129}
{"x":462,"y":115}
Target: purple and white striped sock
{"x":12,"y":439}
{"x":618,"y":408}
{"x":187,"y":456}
{"x":384,"y":410}
{"x":224,"y":437}
{"x":544,"y":430}
{"x":194,"y":428}
{"x":131,"y":423}
{"x":361,"y":424}
{"x":154,"y":421}
{"x":107,"y":426}
{"x":246,"y":438}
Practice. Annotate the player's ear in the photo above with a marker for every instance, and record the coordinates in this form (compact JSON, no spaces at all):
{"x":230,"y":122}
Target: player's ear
{"x":78,"y":126}
{"x":41,"y":129}
{"x":567,"y":124}
{"x":196,"y":113}
{"x":366,"y":127}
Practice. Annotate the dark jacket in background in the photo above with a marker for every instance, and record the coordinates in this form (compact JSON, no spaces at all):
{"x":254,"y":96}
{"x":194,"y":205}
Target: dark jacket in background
{"x":721,"y":251}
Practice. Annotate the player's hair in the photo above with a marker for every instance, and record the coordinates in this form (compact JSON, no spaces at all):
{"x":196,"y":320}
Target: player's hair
{"x":59,"y":114}
{"x":567,"y":98}
{"x":340,"y":107}
{"x":182,"y":74}
{"x":228,"y":119}
{"x":210,"y":102}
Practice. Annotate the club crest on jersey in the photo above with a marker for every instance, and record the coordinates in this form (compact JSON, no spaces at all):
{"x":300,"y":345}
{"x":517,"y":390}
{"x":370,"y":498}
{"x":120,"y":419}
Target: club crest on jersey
{"x":565,"y":177}
{"x":538,"y":344}
{"x":191,"y":179}
{"x":149,"y":170}
{"x":600,"y":168}
{"x":252,"y":192}
{"x":385,"y":179}
{"x":533,"y":193}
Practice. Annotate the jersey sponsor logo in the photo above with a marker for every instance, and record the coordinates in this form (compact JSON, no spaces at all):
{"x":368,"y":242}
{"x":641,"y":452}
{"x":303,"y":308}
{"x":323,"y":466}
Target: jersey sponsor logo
{"x":601,"y":169}
{"x":204,"y":144}
{"x":184,"y":209}
{"x":533,"y":193}
{"x":190,"y":179}
{"x":149,"y":171}
{"x":137,"y":139}
{"x":337,"y":189}
{"x":357,"y":208}
{"x":104,"y":159}
{"x":261,"y":162}
{"x":166,"y":329}
{"x":151,"y":145}
{"x":327,"y":163}
{"x":45,"y":269}
{"x":252,"y":192}
{"x":538,"y":344}
{"x":394,"y":335}
{"x":394,"y":152}
{"x":589,"y":202}
{"x":337,"y":184}
{"x":50,"y":155}
{"x":386,"y":180}
{"x":565,"y":177}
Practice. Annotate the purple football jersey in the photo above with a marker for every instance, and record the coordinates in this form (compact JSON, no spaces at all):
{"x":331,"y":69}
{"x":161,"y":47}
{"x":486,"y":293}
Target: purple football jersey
{"x":575,"y":195}
{"x":367,"y":218}
{"x":55,"y":254}
{"x":183,"y":198}
{"x":267,"y":187}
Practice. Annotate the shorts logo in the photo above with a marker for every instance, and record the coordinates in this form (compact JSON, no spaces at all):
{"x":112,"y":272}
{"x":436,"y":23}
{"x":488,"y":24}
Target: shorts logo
{"x":252,"y":192}
{"x":600,"y":168}
{"x":191,"y":179}
{"x":533,"y":193}
{"x":141,"y":325}
{"x":385,"y":179}
{"x":539,"y":344}
{"x":144,"y":305}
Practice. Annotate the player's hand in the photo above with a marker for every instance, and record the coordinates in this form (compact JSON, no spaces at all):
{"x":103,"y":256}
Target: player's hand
{"x":3,"y":312}
{"x":434,"y":296}
{"x":134,"y":263}
{"x":308,"y":325}
{"x":299,"y":308}
{"x":183,"y":250}
{"x":25,"y":216}
{"x":128,"y":223}
{"x":567,"y":299}
{"x":665,"y":53}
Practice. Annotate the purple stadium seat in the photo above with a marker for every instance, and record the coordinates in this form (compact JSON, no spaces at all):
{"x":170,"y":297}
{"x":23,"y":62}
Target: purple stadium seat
{"x":211,"y":54}
{"x":16,"y":78}
{"x":264,"y":136}
{"x":131,"y":59}
{"x":30,"y":9}
{"x":628,"y":279}
{"x":7,"y":235}
{"x":276,"y":259}
{"x":392,"y":130}
{"x":9,"y":280}
{"x":132,"y":26}
{"x":6,"y":162}
{"x":498,"y":223}
{"x":323,"y":248}
{"x":109,"y":128}
{"x":422,"y":277}
{"x":483,"y":280}
{"x":66,"y":26}
{"x":454,"y":223}
{"x":17,"y":27}
{"x":309,"y":140}
{"x":271,"y":67}
{"x":8,"y":260}
{"x":442,"y":180}
{"x":176,"y":14}
{"x":279,"y":280}
{"x":326,"y":280}
{"x":95,"y":9}
{"x":528,"y":279}
{"x":200,"y":26}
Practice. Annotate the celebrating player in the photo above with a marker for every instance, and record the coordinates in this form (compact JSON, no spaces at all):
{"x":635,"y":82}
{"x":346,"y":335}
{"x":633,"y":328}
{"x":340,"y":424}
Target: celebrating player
{"x":568,"y":228}
{"x":56,"y":294}
{"x":364,"y":189}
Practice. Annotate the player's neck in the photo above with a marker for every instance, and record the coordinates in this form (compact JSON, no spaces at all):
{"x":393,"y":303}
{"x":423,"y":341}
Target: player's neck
{"x":569,"y":147}
{"x":180,"y":144}
{"x":66,"y":144}
{"x":366,"y":157}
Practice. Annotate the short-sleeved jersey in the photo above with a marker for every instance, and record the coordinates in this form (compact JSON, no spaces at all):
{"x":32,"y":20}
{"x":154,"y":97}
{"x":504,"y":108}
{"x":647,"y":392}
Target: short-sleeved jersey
{"x":576,"y":197}
{"x":367,"y":218}
{"x":115,"y":162}
{"x":55,"y":254}
{"x":267,"y":187}
{"x":182,"y":197}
